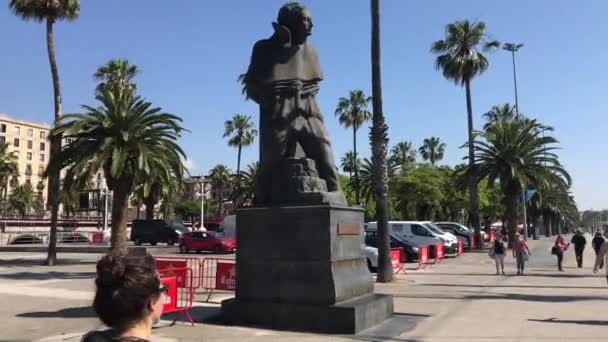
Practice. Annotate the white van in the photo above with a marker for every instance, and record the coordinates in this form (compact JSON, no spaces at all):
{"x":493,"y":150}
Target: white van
{"x":228,"y":227}
{"x":411,"y":231}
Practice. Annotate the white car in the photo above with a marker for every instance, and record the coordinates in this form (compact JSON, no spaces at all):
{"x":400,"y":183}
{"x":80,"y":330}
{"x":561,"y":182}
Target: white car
{"x":371,"y":254}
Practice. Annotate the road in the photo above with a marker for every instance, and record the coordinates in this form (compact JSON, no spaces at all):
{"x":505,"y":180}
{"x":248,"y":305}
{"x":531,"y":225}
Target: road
{"x":458,"y":300}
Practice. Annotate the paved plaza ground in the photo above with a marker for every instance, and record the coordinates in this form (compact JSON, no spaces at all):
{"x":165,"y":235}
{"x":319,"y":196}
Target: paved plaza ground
{"x":458,"y":300}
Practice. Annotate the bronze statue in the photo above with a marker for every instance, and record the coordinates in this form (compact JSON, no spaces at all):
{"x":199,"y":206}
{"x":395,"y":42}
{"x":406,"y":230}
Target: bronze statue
{"x":297,"y":163}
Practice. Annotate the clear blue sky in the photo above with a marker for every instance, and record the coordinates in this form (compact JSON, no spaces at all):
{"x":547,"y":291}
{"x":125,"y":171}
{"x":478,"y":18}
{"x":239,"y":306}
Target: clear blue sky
{"x":192,"y":51}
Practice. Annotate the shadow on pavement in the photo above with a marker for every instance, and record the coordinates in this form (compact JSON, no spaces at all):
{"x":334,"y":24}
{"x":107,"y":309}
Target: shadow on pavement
{"x":582,"y":322}
{"x":47,"y":276}
{"x":81,"y":312}
{"x":492,"y":274}
{"x":40,"y":262}
{"x":510,"y":296}
{"x":516,"y":286}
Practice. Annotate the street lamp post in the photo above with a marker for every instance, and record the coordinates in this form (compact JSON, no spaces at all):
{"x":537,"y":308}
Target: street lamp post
{"x":512,"y":47}
{"x":202,"y":202}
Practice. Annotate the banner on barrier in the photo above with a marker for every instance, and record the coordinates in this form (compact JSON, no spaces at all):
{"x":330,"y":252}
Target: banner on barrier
{"x":471,"y":242}
{"x":225,"y":276}
{"x":396,"y":258}
{"x":171,"y":297}
{"x":423,"y":256}
{"x":439,"y":251}
{"x":169,"y":265}
{"x":97,"y":237}
{"x":460,"y":247}
{"x":492,"y":235}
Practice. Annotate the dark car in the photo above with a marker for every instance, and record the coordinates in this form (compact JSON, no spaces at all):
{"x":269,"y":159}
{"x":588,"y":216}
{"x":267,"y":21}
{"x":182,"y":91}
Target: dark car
{"x":155,"y":231}
{"x":26,"y":239}
{"x":72,"y":238}
{"x":458,"y":230}
{"x":206,"y":241}
{"x":411,"y":251}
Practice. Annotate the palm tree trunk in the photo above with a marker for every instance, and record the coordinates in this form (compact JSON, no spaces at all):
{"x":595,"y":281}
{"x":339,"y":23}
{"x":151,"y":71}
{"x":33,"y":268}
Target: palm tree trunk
{"x":379,"y":150}
{"x":473,"y":191}
{"x":511,"y":213}
{"x":150,"y":201}
{"x":238,"y":162}
{"x":54,"y":176}
{"x":120,"y":202}
{"x":357,"y":193}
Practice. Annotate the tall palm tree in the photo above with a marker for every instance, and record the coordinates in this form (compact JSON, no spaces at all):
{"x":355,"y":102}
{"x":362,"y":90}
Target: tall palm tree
{"x":366,"y":178}
{"x":432,"y":149}
{"x":241,"y":132}
{"x":460,"y":60}
{"x":220,"y":179}
{"x":379,"y":142}
{"x":349,"y":163}
{"x":247,"y":180}
{"x":127,"y":138}
{"x":498,"y":113}
{"x":116,"y":73}
{"x":8,"y":169}
{"x":352,"y":112}
{"x":514,"y":153}
{"x":154,"y":188}
{"x":22,"y":198}
{"x":50,"y":12}
{"x":403,"y":154}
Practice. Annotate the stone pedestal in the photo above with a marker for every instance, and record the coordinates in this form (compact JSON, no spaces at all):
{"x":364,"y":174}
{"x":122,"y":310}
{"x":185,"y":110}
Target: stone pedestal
{"x":302,"y":268}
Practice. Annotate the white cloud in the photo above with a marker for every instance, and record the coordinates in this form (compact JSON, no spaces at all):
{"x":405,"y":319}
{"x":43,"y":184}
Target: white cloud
{"x":191,"y":165}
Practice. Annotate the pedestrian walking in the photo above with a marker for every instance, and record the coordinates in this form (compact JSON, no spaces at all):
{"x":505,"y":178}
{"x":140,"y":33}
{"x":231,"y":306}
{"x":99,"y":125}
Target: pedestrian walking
{"x":520,"y":253}
{"x":579,"y":242}
{"x":558,"y":250}
{"x":597,"y":243}
{"x":129,"y":298}
{"x":498,"y":253}
{"x":602,"y":257}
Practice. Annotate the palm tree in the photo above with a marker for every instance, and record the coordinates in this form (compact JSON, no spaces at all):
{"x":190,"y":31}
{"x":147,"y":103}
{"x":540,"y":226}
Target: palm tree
{"x":499,"y":112}
{"x":349,"y":163}
{"x":514,"y":153}
{"x":403,"y":154}
{"x":379,"y":142}
{"x":8,"y":169}
{"x":154,"y":188}
{"x":220,"y":179}
{"x":366,"y":178}
{"x":116,"y":73}
{"x":127,"y":138}
{"x":244,"y":194}
{"x":22,"y":198}
{"x":432,"y":149}
{"x":460,"y":61}
{"x":241,"y":132}
{"x":352,"y":112}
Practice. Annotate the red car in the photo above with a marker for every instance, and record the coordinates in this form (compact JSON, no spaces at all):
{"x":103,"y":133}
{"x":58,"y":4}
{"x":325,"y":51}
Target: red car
{"x":205,"y":241}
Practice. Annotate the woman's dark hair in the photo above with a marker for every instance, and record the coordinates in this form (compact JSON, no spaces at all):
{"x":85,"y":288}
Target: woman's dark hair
{"x":125,"y":285}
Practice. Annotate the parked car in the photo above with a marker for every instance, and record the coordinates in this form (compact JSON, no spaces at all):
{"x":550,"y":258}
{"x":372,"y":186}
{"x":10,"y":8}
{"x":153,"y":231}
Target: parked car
{"x":155,"y":231}
{"x":206,"y":241}
{"x":26,"y":239}
{"x":461,"y":232}
{"x":228,"y":227}
{"x":71,"y":237}
{"x":410,"y":250}
{"x":449,"y":240}
{"x":371,"y":254}
{"x":413,"y":232}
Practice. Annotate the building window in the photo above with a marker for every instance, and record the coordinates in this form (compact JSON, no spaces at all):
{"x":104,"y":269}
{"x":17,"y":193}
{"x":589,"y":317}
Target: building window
{"x":29,"y":156}
{"x":17,"y":131}
{"x":42,"y":158}
{"x":28,"y":170}
{"x":30,"y":144}
{"x":16,"y":142}
{"x":2,"y":128}
{"x":42,"y":147}
{"x":30,"y":133}
{"x":2,"y":139}
{"x":40,"y":171}
{"x":43,"y":135}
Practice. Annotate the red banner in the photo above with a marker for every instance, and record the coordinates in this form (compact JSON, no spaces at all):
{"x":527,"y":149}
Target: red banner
{"x":423,"y":256}
{"x":168,"y":265}
{"x":396,"y":258}
{"x":460,"y":247}
{"x":492,"y":235}
{"x":471,"y":242}
{"x":97,"y":238}
{"x":171,"y":297}
{"x":439,"y":251}
{"x":225,"y":276}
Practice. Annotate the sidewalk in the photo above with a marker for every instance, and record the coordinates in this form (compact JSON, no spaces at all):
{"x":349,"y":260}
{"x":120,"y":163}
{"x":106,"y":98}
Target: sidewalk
{"x":458,"y":300}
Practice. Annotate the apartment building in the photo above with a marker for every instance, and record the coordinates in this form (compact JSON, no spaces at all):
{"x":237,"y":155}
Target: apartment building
{"x":29,"y":143}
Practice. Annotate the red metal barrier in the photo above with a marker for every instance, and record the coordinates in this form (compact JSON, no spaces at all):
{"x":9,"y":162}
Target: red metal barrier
{"x":97,"y":238}
{"x":180,"y":294}
{"x":397,"y":256}
{"x":423,"y":256}
{"x":471,"y":242}
{"x":492,"y":235}
{"x":460,"y":247}
{"x":168,"y":262}
{"x":439,"y":252}
{"x":218,"y":274}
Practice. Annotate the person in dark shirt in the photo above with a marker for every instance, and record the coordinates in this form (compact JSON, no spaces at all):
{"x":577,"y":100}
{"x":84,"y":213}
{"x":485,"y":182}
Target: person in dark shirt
{"x":597,"y":243}
{"x":579,"y":242}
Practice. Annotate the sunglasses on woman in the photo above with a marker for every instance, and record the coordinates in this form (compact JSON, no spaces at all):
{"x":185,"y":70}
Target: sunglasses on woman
{"x":163,"y":289}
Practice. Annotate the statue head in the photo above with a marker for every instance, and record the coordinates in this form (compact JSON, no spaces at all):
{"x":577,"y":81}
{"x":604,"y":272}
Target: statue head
{"x":296,"y":18}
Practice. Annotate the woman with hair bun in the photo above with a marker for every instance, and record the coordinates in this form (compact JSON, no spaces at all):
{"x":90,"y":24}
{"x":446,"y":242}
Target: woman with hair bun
{"x":129,"y":298}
